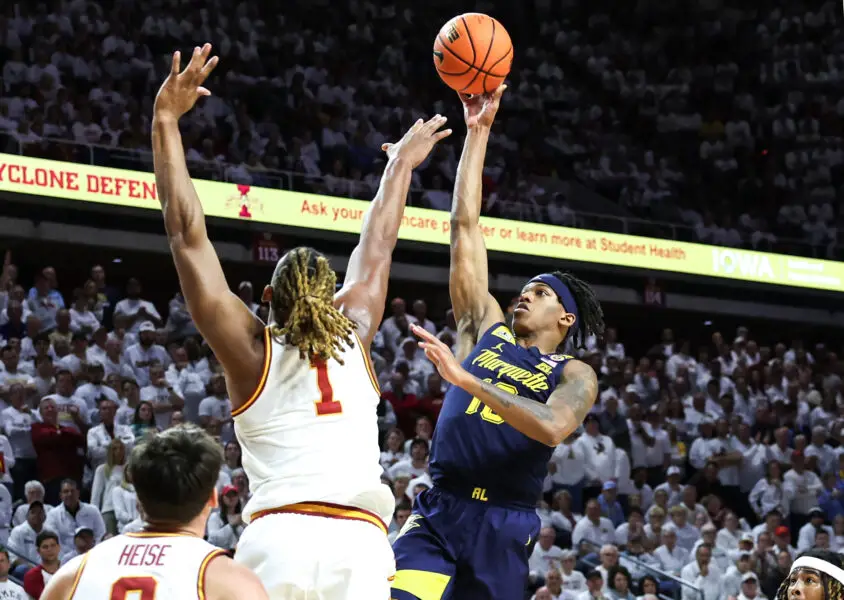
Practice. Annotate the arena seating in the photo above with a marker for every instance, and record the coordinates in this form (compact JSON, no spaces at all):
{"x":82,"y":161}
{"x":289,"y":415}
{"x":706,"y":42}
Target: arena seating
{"x":741,"y":147}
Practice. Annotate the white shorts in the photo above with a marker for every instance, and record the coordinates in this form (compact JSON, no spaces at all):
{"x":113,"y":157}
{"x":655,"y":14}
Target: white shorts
{"x":303,"y":557}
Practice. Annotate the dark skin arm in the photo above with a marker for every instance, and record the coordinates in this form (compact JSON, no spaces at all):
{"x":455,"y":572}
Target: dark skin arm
{"x":548,"y":423}
{"x":231,"y":329}
{"x":364,"y":291}
{"x":475,"y":309}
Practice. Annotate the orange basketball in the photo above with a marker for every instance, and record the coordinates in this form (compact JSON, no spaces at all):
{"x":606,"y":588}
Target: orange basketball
{"x":473,"y":53}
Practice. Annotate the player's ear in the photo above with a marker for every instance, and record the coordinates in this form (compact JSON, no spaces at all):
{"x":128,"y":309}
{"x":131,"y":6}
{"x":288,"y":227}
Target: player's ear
{"x":267,"y":295}
{"x":214,"y":500}
{"x":567,"y":319}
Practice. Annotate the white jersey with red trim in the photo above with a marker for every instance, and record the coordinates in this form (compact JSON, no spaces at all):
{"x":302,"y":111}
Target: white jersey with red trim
{"x":144,"y":566}
{"x":309,"y":433}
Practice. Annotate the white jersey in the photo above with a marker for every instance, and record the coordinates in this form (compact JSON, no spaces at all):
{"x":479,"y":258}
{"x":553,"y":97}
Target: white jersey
{"x":152,"y":566}
{"x":309,"y":433}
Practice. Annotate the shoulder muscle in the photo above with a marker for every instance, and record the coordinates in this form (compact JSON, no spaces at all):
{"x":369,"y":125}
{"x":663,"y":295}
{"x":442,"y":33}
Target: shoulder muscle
{"x":576,"y":394}
{"x":226,"y":579}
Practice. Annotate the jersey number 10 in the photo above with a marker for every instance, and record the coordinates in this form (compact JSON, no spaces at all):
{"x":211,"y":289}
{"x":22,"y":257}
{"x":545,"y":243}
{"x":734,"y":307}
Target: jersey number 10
{"x":134,"y":588}
{"x":487,"y":414}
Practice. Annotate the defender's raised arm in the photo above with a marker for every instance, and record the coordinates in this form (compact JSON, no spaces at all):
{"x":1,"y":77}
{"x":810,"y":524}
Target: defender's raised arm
{"x":365,"y":287}
{"x":231,"y":329}
{"x":474,"y":307}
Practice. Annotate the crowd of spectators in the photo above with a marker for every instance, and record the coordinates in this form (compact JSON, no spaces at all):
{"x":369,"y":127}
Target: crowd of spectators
{"x":715,"y":465}
{"x":743,"y":97}
{"x":621,"y":99}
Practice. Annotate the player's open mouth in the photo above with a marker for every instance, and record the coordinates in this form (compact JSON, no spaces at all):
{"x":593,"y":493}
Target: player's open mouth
{"x":521,"y":307}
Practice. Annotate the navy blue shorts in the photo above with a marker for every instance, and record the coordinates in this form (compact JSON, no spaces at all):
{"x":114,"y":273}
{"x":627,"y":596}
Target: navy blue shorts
{"x":452,"y":548}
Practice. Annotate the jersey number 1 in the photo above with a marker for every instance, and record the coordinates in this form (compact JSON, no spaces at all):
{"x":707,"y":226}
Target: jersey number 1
{"x":487,"y":414}
{"x":134,"y":588}
{"x":326,"y":405}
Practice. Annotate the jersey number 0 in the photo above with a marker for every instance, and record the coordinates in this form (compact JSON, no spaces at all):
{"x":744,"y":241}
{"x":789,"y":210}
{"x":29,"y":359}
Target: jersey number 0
{"x":134,"y":588}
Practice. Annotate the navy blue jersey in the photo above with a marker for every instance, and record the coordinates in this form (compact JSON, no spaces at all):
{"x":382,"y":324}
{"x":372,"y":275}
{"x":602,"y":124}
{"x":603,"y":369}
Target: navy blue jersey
{"x":474,"y":451}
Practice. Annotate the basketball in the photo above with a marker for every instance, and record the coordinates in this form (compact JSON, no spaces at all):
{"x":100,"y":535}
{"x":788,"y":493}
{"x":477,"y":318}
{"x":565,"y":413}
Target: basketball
{"x":473,"y":53}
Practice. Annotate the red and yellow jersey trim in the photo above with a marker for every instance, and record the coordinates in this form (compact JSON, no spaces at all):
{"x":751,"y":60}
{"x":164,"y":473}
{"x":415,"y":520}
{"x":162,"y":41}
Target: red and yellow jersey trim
{"x":325,"y":509}
{"x":78,"y":577}
{"x":268,"y":355}
{"x":203,"y":567}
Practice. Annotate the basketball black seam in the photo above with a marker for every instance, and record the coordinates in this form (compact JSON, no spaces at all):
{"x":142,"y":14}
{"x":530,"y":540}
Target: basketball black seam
{"x":506,"y":54}
{"x":471,"y":40}
{"x":457,"y":56}
{"x":486,"y":58}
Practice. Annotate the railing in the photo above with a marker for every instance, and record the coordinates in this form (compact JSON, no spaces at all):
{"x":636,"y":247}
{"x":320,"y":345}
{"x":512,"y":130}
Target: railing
{"x":141,"y":160}
{"x":658,"y":573}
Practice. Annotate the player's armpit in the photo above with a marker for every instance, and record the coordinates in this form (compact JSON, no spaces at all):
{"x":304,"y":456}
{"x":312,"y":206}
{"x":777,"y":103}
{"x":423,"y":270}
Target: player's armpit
{"x":572,"y":399}
{"x":226,"y":579}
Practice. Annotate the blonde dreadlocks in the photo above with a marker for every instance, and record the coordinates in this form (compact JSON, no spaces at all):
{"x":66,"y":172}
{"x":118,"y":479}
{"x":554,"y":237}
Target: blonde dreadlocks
{"x":303,"y":295}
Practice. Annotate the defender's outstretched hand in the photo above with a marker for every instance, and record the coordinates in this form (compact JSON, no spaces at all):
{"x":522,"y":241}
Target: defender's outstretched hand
{"x":419,"y":140}
{"x":480,"y":110}
{"x":438,"y":353}
{"x":181,"y":90}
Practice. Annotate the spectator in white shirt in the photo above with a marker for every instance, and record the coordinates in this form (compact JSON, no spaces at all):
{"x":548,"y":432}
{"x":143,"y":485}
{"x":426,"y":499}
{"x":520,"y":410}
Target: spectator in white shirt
{"x":137,"y":310}
{"x":95,"y":390}
{"x":594,"y":587}
{"x":704,"y":575}
{"x":545,"y":555}
{"x":672,"y":558}
{"x":687,"y":534}
{"x":808,"y":532}
{"x":125,"y":502}
{"x":804,"y":487}
{"x":770,"y":493}
{"x":742,"y":564}
{"x":573,"y":580}
{"x":567,"y":470}
{"x":672,"y":486}
{"x":102,"y":436}
{"x":141,"y":356}
{"x":182,"y":376}
{"x":22,"y":539}
{"x":71,"y":514}
{"x":72,"y":410}
{"x":599,"y":456}
{"x":593,"y":527}
{"x":17,"y":425}
{"x":215,"y":411}
{"x":820,"y":456}
{"x":107,"y":476}
{"x":729,"y":535}
{"x":164,"y":398}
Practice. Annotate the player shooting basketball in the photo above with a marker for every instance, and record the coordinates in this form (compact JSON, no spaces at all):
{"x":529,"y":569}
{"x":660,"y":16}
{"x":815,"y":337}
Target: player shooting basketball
{"x":514,"y":398}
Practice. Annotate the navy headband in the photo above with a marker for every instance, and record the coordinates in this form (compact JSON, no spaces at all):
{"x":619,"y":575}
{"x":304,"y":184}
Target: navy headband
{"x":563,"y":292}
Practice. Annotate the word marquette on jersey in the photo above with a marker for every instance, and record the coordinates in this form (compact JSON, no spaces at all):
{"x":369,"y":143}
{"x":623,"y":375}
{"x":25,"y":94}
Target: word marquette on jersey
{"x":490,"y":359}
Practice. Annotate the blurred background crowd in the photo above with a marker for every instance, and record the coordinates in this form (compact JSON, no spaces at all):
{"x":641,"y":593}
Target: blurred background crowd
{"x":711,"y":121}
{"x":703,"y":463}
{"x":703,"y":468}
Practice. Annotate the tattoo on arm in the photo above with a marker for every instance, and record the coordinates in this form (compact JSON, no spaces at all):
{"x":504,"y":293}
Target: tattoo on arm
{"x":537,"y":409}
{"x":579,"y":392}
